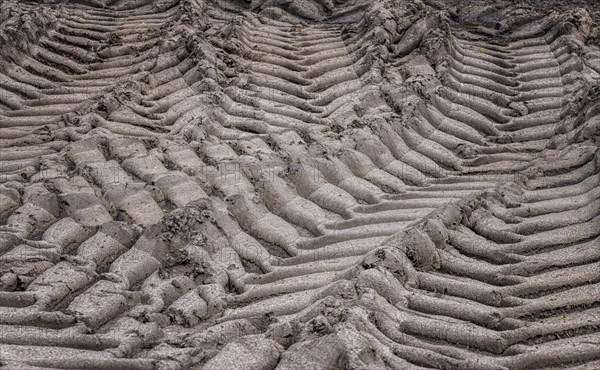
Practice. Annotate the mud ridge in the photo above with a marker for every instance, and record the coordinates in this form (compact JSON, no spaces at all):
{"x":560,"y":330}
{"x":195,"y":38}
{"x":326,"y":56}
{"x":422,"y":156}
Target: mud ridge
{"x":299,"y":185}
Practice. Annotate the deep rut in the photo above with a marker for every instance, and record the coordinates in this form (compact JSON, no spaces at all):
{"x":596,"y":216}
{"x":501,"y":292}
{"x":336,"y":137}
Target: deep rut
{"x":205,"y":185}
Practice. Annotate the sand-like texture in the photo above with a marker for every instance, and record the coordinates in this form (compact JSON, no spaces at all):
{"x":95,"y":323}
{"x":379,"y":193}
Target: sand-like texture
{"x":299,"y":184}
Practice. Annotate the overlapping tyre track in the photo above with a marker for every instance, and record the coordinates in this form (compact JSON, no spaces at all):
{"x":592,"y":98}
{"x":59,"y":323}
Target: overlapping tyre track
{"x":293,"y":195}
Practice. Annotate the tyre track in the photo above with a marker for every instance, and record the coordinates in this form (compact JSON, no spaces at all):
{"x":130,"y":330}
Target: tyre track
{"x":166,"y":211}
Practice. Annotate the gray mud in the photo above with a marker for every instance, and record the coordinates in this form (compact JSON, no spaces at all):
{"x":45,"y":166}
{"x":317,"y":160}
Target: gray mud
{"x":299,"y":184}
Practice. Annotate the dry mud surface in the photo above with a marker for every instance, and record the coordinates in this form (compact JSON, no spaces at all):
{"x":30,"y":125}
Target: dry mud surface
{"x":299,"y":184}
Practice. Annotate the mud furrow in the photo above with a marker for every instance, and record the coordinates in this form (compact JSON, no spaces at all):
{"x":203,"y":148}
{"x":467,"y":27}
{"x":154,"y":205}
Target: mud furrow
{"x":264,"y":185}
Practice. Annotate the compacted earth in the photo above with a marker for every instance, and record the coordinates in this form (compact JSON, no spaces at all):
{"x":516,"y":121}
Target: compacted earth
{"x":299,"y":184}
